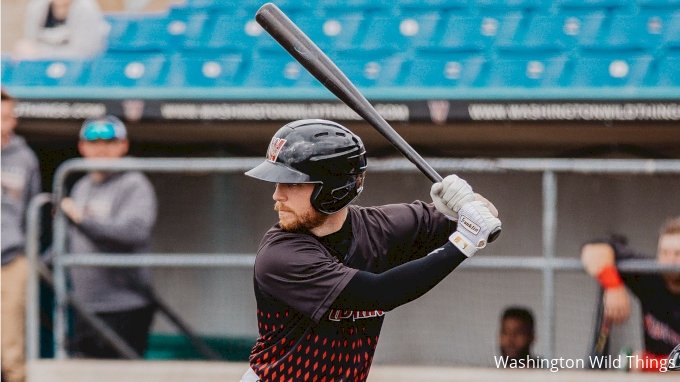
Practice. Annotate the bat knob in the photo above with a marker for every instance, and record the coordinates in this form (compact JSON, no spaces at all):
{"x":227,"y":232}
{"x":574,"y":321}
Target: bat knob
{"x":494,"y":235}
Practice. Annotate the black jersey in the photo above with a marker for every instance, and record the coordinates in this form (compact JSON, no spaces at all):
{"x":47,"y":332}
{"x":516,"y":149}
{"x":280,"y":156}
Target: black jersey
{"x":660,"y":307}
{"x":297,"y":279}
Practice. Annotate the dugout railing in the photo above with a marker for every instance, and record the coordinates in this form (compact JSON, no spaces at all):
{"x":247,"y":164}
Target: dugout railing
{"x":548,"y":263}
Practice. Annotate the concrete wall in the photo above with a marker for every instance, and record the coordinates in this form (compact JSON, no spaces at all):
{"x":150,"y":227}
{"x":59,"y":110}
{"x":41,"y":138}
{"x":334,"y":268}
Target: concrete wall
{"x":457,"y":322}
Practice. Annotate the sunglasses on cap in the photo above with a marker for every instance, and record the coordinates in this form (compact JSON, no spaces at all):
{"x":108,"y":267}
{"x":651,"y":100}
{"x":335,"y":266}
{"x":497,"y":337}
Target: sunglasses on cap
{"x":99,"y":130}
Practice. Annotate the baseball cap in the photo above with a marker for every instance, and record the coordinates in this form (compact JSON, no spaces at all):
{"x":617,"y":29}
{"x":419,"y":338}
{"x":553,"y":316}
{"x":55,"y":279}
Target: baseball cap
{"x":107,"y":127}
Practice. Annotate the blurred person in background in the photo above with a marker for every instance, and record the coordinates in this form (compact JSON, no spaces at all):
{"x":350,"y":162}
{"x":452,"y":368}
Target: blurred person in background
{"x":62,"y":29}
{"x":516,"y":333}
{"x":20,"y":182}
{"x":659,"y":294}
{"x":110,"y":212}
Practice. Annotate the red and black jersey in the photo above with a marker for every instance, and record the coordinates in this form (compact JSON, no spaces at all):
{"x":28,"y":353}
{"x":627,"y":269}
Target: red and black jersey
{"x":298,"y":277}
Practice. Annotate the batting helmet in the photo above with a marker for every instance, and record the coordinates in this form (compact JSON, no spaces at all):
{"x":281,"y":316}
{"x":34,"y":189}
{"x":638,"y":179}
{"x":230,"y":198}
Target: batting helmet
{"x":320,"y":152}
{"x":674,"y":359}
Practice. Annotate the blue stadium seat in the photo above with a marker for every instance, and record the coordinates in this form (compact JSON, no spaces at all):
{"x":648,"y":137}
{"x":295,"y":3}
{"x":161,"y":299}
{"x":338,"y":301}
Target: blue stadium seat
{"x":366,"y":70}
{"x":333,"y":32}
{"x":512,"y":5}
{"x":355,"y":5}
{"x":526,"y":70}
{"x":667,"y":71}
{"x":203,"y":69}
{"x":434,"y":5}
{"x":593,"y":4}
{"x":555,"y":32}
{"x":628,"y":31}
{"x":277,"y":71}
{"x":391,"y":33}
{"x":7,"y":66}
{"x":474,"y":33}
{"x":659,"y":4}
{"x":127,"y":69}
{"x":609,"y":69}
{"x":46,"y":73}
{"x":143,"y":34}
{"x":671,"y":38}
{"x":444,"y":70}
{"x":222,"y":31}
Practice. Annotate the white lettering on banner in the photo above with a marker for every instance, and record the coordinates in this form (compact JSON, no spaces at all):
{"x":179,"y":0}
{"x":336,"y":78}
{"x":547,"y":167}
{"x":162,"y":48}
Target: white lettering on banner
{"x":277,"y":111}
{"x":575,"y":111}
{"x":59,"y":110}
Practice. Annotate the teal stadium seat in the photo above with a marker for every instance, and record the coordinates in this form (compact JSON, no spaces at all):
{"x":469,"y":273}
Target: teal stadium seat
{"x":221,"y":32}
{"x":671,"y":38}
{"x":445,"y":70}
{"x":658,"y":4}
{"x":332,"y":32}
{"x":526,"y":70}
{"x":632,"y":32}
{"x":142,"y":34}
{"x":434,"y":5}
{"x":277,"y":71}
{"x":394,"y":34}
{"x":331,"y":6}
{"x":555,"y":32}
{"x":512,"y":5}
{"x":593,"y":4}
{"x":668,"y":71}
{"x":127,"y":69}
{"x":191,"y":69}
{"x":371,"y":71}
{"x":475,"y":33}
{"x":6,"y":66}
{"x":249,"y":6}
{"x":599,"y":68}
{"x":46,"y":73}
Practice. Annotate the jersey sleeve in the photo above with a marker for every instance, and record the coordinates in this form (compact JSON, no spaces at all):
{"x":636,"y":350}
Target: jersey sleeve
{"x":404,"y":232}
{"x":641,"y":284}
{"x":298,"y":271}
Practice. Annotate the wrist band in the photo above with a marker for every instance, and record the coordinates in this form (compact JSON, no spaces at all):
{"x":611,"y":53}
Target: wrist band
{"x":463,"y":244}
{"x":609,"y":277}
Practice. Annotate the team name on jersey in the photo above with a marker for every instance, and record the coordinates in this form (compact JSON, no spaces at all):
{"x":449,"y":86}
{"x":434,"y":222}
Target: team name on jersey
{"x":337,"y":315}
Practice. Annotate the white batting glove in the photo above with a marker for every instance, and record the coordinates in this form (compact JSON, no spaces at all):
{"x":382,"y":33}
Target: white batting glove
{"x":475,"y":223}
{"x":450,"y":195}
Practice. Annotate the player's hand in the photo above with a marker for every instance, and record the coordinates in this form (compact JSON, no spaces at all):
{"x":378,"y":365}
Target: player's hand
{"x":616,"y":304}
{"x":475,"y":223}
{"x":450,"y":195}
{"x":71,"y":210}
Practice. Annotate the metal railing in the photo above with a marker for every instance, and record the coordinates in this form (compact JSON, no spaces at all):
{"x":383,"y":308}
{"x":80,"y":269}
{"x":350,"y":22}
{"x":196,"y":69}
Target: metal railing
{"x":548,"y":263}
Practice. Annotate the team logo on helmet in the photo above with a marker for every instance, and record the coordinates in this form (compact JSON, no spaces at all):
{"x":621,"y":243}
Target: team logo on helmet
{"x":275,"y":147}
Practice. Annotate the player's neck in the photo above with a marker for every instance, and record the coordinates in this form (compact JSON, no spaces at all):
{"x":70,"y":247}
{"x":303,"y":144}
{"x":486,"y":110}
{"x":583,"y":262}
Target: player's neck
{"x":331,"y":225}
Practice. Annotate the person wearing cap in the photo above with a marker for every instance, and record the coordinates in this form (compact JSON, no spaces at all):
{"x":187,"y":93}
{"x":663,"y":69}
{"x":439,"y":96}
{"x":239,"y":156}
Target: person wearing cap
{"x":20,"y":182}
{"x":110,"y":212}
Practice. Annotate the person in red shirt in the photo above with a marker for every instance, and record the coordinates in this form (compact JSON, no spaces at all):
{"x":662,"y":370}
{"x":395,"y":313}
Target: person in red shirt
{"x":659,"y":294}
{"x":327,"y":273}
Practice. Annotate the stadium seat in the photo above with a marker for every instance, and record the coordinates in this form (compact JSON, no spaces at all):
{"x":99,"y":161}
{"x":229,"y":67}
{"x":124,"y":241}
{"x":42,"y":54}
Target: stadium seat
{"x":600,"y":68}
{"x":221,"y":31}
{"x":277,"y":71}
{"x":444,"y":70}
{"x":370,"y":71}
{"x":628,"y":31}
{"x":397,"y":33}
{"x":203,"y":69}
{"x":512,"y":5}
{"x":7,"y":66}
{"x":474,"y":33}
{"x":355,"y":5}
{"x":434,"y":5}
{"x":667,"y":72}
{"x":46,"y":73}
{"x":143,"y":34}
{"x":671,"y":38}
{"x":334,"y":32}
{"x":526,"y":70}
{"x":127,"y":69}
{"x":659,"y":4}
{"x":555,"y":32}
{"x":593,"y":4}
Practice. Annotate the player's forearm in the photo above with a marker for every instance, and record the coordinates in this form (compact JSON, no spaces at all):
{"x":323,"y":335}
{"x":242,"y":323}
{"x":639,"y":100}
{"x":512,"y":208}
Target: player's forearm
{"x":401,"y":284}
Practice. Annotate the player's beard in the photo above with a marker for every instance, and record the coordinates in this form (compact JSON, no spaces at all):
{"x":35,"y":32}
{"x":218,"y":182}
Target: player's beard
{"x":303,"y":221}
{"x":672,"y":282}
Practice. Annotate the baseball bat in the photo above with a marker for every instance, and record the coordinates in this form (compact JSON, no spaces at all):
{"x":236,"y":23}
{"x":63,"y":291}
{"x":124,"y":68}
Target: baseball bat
{"x":291,"y":38}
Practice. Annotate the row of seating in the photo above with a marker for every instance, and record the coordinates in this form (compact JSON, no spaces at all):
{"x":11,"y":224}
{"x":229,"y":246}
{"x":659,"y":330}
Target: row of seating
{"x":523,"y":5}
{"x":428,"y":69}
{"x":206,"y":31}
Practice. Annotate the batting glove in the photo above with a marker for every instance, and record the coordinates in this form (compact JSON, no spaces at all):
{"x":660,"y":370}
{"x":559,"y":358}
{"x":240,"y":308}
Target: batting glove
{"x":474,"y":225}
{"x":450,"y":195}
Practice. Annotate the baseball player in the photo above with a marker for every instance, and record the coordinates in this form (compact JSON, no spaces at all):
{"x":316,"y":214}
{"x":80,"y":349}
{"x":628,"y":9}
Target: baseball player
{"x":328,"y":271}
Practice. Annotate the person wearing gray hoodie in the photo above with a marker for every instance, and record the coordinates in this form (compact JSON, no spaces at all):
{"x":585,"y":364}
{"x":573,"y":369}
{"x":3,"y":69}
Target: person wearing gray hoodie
{"x":110,"y":212}
{"x":20,"y":182}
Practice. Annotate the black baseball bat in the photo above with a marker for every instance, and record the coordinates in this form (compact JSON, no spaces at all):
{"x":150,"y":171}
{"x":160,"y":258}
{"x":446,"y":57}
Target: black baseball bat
{"x":291,"y":38}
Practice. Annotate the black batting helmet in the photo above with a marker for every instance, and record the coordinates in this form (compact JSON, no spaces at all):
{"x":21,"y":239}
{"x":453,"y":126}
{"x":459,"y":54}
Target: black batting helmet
{"x":320,"y":152}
